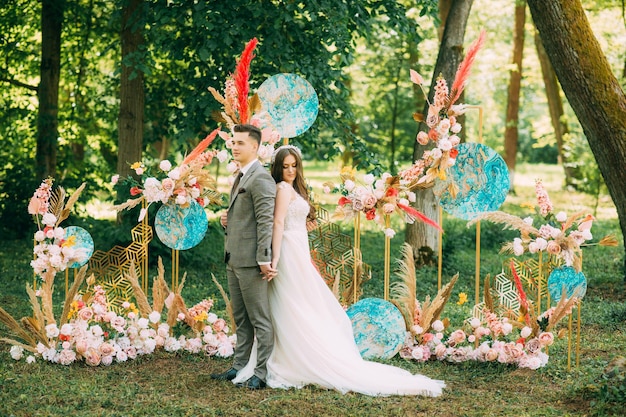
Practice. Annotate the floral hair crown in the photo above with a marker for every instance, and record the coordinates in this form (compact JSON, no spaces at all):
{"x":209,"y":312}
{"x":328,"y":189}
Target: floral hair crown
{"x":280,"y":148}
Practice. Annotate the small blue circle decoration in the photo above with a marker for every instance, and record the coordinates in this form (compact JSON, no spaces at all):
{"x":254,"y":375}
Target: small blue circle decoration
{"x":575,"y":283}
{"x":482,"y":178}
{"x":378,"y":327}
{"x":179,"y":227}
{"x":291,"y":102}
{"x":83,"y":242}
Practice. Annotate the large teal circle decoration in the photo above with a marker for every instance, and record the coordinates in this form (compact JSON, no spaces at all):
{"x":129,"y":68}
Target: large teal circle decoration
{"x":291,"y":102}
{"x":83,"y":242}
{"x":482,"y":178}
{"x":575,"y":283}
{"x":181,"y":227}
{"x":378,"y":327}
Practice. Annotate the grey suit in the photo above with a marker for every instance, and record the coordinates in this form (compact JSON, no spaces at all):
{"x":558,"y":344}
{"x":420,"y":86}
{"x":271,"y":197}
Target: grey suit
{"x":248,"y":242}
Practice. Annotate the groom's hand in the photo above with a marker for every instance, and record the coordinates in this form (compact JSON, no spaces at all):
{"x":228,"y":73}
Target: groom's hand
{"x":224,"y":219}
{"x":268,"y":272}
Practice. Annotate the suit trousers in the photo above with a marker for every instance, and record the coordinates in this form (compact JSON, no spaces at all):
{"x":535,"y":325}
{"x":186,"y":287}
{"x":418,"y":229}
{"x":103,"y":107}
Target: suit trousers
{"x":248,"y":292}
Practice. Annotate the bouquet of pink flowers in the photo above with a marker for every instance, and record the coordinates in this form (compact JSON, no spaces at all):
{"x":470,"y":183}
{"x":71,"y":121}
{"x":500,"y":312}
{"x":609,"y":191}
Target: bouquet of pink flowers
{"x":376,"y":198}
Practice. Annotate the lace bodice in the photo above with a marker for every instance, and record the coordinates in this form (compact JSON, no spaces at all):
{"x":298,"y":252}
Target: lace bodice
{"x":298,"y":209}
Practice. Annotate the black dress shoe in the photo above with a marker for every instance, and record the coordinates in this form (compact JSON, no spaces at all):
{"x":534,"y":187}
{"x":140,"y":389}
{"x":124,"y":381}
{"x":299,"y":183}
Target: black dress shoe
{"x":253,"y":383}
{"x":225,"y":376}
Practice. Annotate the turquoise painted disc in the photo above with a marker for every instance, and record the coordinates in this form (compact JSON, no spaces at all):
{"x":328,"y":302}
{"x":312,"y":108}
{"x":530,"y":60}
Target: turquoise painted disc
{"x":482,"y":178}
{"x":83,"y":241}
{"x":575,"y":283}
{"x":181,"y":228}
{"x":378,"y":327}
{"x":291,"y":102}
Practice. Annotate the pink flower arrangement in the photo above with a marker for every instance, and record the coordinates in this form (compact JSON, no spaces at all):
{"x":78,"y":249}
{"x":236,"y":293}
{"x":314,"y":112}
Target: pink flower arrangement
{"x":174,"y":185}
{"x":53,"y":250}
{"x":104,"y":337}
{"x":443,"y":125}
{"x":375,"y":198}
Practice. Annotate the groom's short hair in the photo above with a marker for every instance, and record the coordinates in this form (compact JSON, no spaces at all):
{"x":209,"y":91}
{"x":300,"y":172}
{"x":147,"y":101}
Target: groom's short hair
{"x":253,"y":131}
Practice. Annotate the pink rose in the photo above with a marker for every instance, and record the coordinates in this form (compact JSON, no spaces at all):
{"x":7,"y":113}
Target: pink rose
{"x":546,"y":339}
{"x":440,"y":351}
{"x":389,"y":208}
{"x":369,"y":201}
{"x":92,"y":357}
{"x":533,"y":345}
{"x":85,"y":314}
{"x":81,"y":347}
{"x":553,"y":248}
{"x":106,"y":349}
{"x":219,"y":325}
{"x":118,"y":323}
{"x":458,"y":336}
{"x":491,"y":355}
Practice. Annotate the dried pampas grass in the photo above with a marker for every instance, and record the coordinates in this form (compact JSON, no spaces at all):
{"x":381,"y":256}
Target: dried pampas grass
{"x":403,"y":291}
{"x":229,"y":307}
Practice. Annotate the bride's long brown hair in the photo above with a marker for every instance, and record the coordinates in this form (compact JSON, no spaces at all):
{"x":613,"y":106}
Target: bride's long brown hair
{"x":298,"y":184}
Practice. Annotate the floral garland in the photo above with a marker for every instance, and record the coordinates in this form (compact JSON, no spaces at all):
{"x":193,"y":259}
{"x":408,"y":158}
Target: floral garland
{"x":376,"y":198}
{"x":443,"y":126}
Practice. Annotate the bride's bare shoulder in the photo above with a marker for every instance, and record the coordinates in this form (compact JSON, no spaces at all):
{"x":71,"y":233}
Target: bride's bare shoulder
{"x":283,"y":185}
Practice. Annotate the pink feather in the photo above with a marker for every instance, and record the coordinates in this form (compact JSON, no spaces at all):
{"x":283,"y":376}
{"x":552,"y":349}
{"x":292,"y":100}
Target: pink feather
{"x":241,"y":76}
{"x":464,"y":68}
{"x":416,"y":214}
{"x":201,"y":146}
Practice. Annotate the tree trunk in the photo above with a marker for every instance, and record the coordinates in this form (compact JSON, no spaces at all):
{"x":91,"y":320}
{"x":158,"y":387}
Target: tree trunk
{"x":48,"y":92}
{"x":555,"y":105}
{"x":130,"y":121}
{"x":419,"y":235}
{"x":591,"y":88}
{"x":511,"y":132}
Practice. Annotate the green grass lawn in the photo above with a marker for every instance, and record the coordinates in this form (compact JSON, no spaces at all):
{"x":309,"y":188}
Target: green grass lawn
{"x":166,"y":384}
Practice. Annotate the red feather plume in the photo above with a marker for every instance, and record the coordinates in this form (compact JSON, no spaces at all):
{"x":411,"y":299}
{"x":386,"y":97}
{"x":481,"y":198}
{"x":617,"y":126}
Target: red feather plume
{"x":464,"y":68}
{"x":201,"y":146}
{"x":520,"y":290}
{"x":241,"y":76}
{"x":416,"y":214}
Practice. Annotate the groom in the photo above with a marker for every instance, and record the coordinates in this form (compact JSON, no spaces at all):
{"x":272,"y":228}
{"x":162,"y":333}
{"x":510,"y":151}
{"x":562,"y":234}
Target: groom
{"x":248,"y":226}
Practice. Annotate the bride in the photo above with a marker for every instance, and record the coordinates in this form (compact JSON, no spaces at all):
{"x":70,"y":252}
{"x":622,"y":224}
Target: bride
{"x":313,"y":340}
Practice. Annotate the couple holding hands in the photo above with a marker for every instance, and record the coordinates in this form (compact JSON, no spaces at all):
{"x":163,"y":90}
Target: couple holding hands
{"x":291,"y":331}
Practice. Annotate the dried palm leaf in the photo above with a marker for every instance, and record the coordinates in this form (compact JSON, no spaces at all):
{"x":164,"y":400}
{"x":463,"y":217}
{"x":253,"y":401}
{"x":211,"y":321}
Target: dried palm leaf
{"x":22,"y":345}
{"x":508,"y":220}
{"x":15,"y":327}
{"x":70,"y":203}
{"x":487,"y":299}
{"x":140,"y":296}
{"x":571,"y":219}
{"x":217,"y":96}
{"x":46,"y":300}
{"x":229,"y":307}
{"x":403,"y":291}
{"x":69,"y":297}
{"x":563,"y":307}
{"x":35,"y":329}
{"x":57,"y":200}
{"x":129,"y":204}
{"x":34,"y":302}
{"x":432,"y":310}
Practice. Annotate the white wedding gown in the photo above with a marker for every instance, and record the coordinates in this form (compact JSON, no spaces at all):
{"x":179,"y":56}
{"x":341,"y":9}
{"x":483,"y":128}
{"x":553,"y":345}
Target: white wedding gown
{"x":313,"y":342}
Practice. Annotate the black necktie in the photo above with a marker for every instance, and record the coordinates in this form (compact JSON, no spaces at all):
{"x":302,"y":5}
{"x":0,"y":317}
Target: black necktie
{"x":236,"y":184}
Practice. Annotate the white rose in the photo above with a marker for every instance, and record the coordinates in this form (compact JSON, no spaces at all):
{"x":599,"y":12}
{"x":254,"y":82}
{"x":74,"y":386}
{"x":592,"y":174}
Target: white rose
{"x":437,"y":326}
{"x":52,"y":330}
{"x":349,"y":185}
{"x":561,"y":216}
{"x":174,"y":174}
{"x":525,"y":332}
{"x":17,"y":352}
{"x":49,"y":219}
{"x":165,"y":165}
{"x":436,"y":153}
{"x":222,"y":155}
{"x":368,"y":179}
{"x":40,"y":236}
{"x":154,"y":317}
{"x":528,"y":221}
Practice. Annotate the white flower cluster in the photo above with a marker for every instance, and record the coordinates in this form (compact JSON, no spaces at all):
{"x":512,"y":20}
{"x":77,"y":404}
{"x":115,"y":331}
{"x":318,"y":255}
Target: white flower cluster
{"x":53,"y":253}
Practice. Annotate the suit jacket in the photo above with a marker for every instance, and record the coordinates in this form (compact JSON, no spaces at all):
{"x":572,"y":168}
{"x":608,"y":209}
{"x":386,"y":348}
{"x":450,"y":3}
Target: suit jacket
{"x":250,"y":219}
